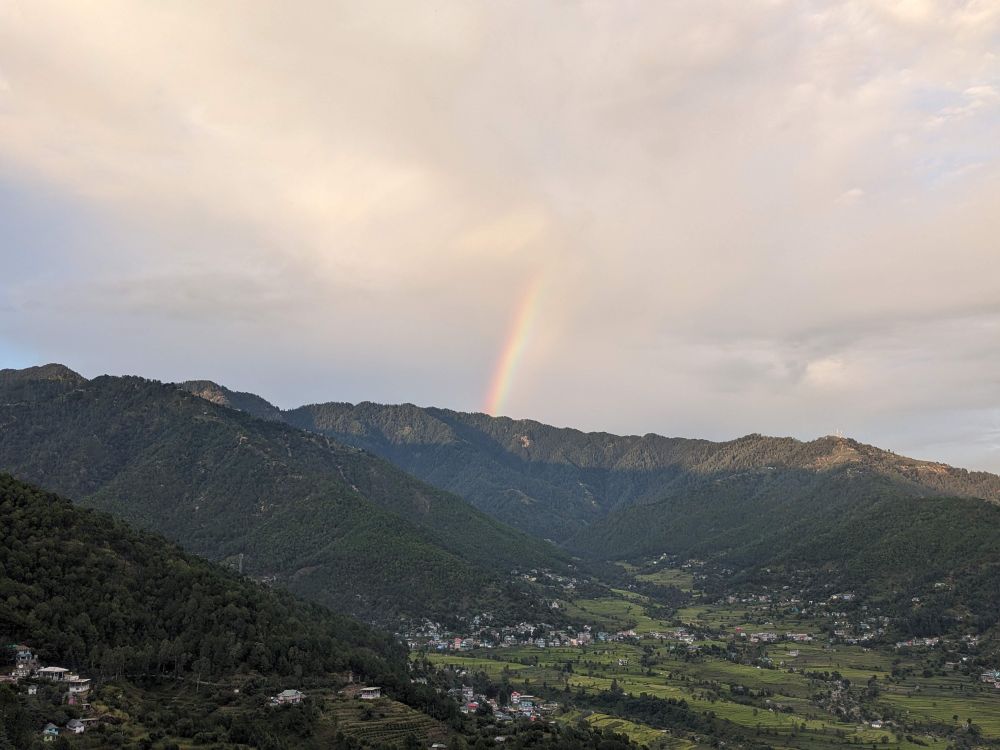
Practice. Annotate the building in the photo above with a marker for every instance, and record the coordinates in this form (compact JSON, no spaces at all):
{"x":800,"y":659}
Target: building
{"x":75,"y":726}
{"x":77,"y":684}
{"x":56,"y":674}
{"x":370,"y":693}
{"x":288,"y":696}
{"x":50,"y":733}
{"x":32,"y":689}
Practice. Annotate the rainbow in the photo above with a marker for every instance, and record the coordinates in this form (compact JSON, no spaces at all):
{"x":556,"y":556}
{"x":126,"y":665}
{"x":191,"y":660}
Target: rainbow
{"x":518,"y":336}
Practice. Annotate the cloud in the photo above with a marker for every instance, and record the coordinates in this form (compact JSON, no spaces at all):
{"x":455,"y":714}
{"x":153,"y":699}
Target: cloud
{"x":755,"y":216}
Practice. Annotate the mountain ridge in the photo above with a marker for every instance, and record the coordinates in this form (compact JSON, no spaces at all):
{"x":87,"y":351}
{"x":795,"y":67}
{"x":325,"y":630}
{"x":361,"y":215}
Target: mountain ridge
{"x":327,"y":520}
{"x":556,"y":481}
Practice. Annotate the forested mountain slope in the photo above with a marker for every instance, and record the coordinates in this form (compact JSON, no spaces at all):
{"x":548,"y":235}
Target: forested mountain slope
{"x":88,"y":591}
{"x":556,"y":482}
{"x":851,"y":514}
{"x":840,"y":530}
{"x":330,"y":522}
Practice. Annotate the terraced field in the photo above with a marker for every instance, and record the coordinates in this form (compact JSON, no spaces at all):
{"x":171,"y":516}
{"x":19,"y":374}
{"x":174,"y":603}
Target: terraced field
{"x":382,"y":721}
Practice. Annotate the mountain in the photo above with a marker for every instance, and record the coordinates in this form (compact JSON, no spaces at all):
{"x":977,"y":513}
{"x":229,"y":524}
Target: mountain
{"x":558,"y":482}
{"x":840,"y":530}
{"x":844,"y":512}
{"x":181,"y":652}
{"x":248,"y":402}
{"x":148,"y":623}
{"x":86,"y":590}
{"x":329,"y":522}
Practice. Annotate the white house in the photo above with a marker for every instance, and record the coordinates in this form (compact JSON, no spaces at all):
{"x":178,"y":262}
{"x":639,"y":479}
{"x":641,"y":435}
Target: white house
{"x":370,"y":693}
{"x":56,"y":674}
{"x":75,"y":726}
{"x":289,"y":696}
{"x":77,"y":684}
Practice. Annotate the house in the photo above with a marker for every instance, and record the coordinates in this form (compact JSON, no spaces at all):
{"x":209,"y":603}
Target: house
{"x":75,"y":726}
{"x":50,"y":733}
{"x":56,"y":674}
{"x":876,"y":724}
{"x":32,"y":689}
{"x":77,"y":684}
{"x":371,"y":693}
{"x":288,"y":696}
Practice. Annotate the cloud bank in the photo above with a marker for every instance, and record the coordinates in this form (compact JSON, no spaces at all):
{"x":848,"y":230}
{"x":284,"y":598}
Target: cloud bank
{"x":740,"y":216}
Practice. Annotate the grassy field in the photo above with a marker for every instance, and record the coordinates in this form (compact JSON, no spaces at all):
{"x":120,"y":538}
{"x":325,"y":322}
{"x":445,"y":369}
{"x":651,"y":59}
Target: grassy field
{"x":669,"y":577}
{"x":778,"y":705}
{"x":644,"y":735}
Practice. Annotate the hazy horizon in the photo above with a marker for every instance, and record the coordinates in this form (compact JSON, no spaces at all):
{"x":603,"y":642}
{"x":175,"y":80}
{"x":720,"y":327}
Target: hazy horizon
{"x":699,"y":220}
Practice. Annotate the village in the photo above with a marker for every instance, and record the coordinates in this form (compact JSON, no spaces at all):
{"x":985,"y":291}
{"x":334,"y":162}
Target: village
{"x":71,"y":689}
{"x":433,"y":636}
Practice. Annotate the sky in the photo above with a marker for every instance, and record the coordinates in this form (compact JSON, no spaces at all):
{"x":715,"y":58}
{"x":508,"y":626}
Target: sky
{"x":697,"y":219}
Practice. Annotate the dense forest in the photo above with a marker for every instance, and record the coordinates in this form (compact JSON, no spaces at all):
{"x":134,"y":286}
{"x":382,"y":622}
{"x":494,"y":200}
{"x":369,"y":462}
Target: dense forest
{"x":867,"y":537}
{"x":330,"y":522}
{"x":166,"y":635}
{"x":88,"y":592}
{"x":560,"y":483}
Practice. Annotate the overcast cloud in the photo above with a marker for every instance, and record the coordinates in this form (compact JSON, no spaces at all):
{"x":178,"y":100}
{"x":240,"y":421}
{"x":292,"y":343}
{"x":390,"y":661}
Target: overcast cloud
{"x":744,"y":216}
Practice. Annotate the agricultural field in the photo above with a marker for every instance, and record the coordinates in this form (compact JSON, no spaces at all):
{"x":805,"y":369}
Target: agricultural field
{"x":380,"y":722}
{"x":811,"y":695}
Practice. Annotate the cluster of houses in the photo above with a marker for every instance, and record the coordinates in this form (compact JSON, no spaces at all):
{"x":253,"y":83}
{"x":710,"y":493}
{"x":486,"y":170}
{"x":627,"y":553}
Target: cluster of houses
{"x":540,"y":635}
{"x":27,"y":667}
{"x":681,"y":635}
{"x":767,"y":636}
{"x":292,"y":697}
{"x":919,"y":642}
{"x":992,"y":677}
{"x":520,"y":705}
{"x":287,"y":698}
{"x":566,"y":583}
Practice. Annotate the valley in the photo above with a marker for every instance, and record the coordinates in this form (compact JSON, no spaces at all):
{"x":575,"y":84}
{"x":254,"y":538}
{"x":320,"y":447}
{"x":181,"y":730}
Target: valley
{"x":764,"y":593}
{"x":766,"y":668}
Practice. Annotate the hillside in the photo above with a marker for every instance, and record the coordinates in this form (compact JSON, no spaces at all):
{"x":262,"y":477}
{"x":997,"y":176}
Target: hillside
{"x":556,"y":482}
{"x":329,"y":522}
{"x":140,"y":617}
{"x":847,"y":513}
{"x":87,"y":590}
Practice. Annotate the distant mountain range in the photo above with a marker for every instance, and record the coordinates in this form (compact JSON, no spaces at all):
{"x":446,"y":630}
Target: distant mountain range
{"x":328,"y":521}
{"x":867,"y":515}
{"x":558,"y":481}
{"x":303,"y":496}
